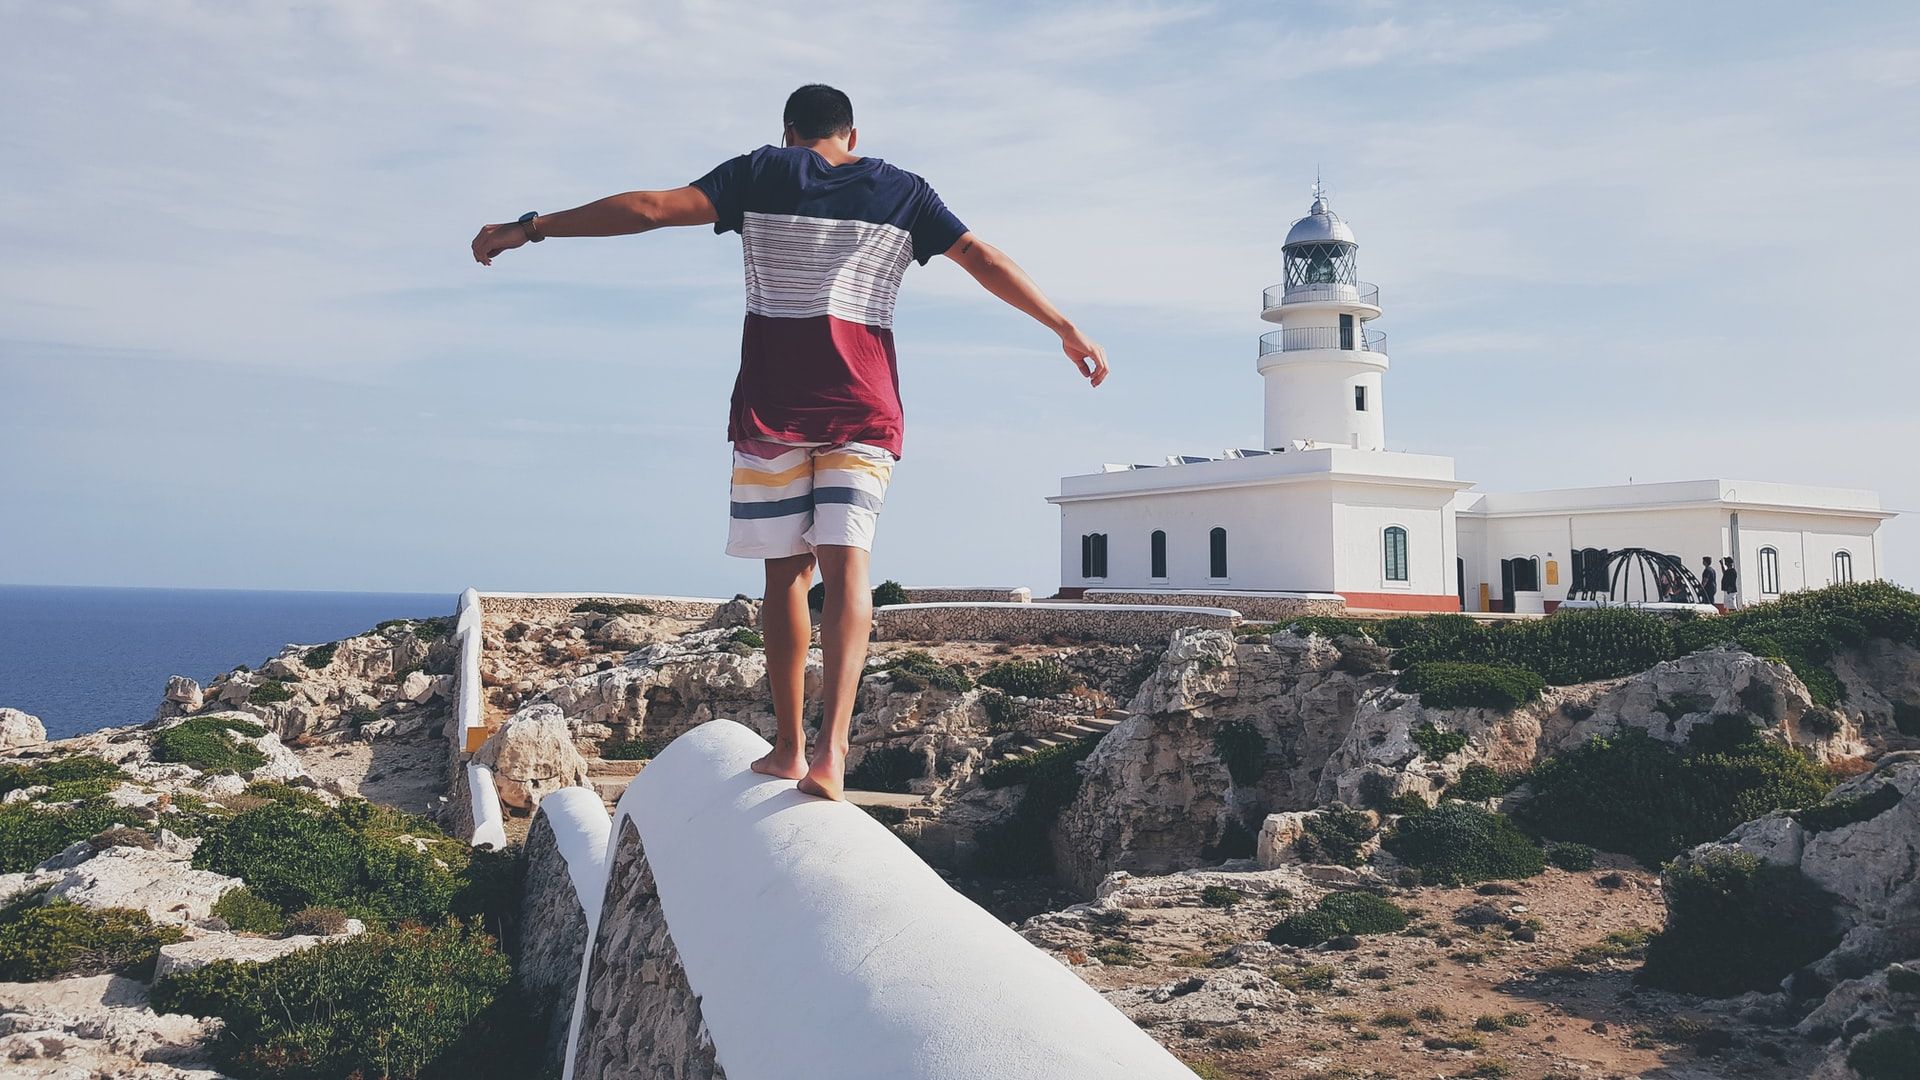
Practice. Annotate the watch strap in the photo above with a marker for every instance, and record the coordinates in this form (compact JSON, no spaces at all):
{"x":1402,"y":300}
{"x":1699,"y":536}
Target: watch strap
{"x":526,"y":225}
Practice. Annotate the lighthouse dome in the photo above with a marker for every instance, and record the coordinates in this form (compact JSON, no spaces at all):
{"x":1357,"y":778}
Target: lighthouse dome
{"x":1321,"y":225}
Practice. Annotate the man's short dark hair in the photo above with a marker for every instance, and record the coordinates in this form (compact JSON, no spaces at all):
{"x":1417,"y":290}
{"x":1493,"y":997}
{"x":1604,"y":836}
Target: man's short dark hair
{"x":818,"y":111}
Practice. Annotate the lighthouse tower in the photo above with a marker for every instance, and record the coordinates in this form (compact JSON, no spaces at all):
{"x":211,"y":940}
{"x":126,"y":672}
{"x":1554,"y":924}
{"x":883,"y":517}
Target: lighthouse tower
{"x":1323,"y":367}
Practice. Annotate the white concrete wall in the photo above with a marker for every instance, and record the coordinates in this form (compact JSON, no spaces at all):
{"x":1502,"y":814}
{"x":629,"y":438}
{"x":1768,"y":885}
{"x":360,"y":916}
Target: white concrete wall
{"x":1361,"y":515}
{"x":818,"y":943}
{"x":1309,"y":396}
{"x":1278,"y":537}
{"x":1806,"y":545}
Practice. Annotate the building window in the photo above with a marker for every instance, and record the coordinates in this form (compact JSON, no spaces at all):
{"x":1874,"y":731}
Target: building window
{"x":1360,"y":399}
{"x":1393,"y":550}
{"x":1346,"y":331}
{"x":1217,"y":553}
{"x":1157,"y":555}
{"x":1769,"y":572}
{"x":1842,"y":567}
{"x":1093,"y":555}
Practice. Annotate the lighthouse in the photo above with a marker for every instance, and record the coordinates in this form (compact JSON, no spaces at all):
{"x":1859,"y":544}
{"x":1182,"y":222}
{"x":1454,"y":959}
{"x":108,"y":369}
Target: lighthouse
{"x":1323,"y":367}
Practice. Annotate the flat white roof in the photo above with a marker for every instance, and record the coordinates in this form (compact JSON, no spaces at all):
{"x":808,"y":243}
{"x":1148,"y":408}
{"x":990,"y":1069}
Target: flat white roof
{"x":1292,"y":466}
{"x":1727,"y":494}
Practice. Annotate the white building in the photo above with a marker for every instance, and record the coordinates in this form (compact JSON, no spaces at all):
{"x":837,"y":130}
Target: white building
{"x":1321,"y":506}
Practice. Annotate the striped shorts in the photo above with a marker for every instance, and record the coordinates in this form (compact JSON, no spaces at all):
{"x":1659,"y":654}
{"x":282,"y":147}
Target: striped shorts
{"x":789,"y":499}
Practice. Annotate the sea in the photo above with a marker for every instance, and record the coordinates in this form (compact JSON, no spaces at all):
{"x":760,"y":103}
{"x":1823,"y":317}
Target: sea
{"x":86,"y":658}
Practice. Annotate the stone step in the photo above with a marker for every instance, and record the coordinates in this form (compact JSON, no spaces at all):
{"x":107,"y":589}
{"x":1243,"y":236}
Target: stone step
{"x":615,"y":767}
{"x":609,"y":787}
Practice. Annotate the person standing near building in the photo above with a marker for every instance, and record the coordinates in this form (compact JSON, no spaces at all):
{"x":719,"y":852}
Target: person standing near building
{"x":816,"y":422}
{"x":1709,"y":582}
{"x":1730,"y":583}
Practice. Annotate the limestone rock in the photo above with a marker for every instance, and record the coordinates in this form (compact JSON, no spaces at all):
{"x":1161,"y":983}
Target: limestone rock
{"x":183,"y":696}
{"x":210,"y":947}
{"x":553,"y":939}
{"x":671,"y":686}
{"x":641,"y":1018}
{"x":98,"y":1026}
{"x":417,"y":687}
{"x":161,"y":883}
{"x":626,"y":632}
{"x":739,"y":611}
{"x":20,"y":729}
{"x":531,"y":755}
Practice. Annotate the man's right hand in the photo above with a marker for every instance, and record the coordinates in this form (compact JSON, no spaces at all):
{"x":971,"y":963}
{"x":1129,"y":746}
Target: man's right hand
{"x":494,"y":239}
{"x":1086,"y":354}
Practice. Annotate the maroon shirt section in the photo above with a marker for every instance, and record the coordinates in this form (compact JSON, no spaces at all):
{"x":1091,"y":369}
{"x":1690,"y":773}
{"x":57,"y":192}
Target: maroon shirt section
{"x":821,"y":380}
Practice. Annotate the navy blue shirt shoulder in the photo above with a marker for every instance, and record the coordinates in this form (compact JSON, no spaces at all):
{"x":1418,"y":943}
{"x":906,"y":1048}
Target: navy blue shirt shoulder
{"x":796,"y":180}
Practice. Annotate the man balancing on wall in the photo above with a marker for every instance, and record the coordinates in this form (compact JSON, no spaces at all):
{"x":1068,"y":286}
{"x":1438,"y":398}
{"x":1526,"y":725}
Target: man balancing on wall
{"x":816,"y":421}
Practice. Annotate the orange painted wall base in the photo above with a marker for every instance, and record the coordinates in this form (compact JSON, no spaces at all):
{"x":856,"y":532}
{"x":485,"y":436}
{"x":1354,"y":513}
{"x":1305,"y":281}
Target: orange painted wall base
{"x":1395,"y":601}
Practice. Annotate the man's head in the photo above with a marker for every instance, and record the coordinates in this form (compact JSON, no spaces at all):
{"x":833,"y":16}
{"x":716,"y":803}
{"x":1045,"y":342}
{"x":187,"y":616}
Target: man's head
{"x":1706,"y":561}
{"x":816,"y":112}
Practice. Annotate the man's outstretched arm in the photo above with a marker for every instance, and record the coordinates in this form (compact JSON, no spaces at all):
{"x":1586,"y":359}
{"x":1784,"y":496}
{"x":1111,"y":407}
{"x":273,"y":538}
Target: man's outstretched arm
{"x":1002,"y":277}
{"x":615,"y":215}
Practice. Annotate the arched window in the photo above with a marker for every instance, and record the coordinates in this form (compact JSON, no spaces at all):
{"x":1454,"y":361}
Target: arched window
{"x":1157,"y":555}
{"x":1217,"y":552}
{"x":1393,"y":553}
{"x":1769,"y":572}
{"x":1842,"y":567}
{"x":1093,"y":555}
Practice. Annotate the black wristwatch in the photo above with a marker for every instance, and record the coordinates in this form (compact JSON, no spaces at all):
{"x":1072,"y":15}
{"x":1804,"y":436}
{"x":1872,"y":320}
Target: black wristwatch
{"x":526,"y":226}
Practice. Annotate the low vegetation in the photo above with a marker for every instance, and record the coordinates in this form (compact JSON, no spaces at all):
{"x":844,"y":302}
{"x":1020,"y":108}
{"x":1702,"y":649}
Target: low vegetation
{"x":1459,"y":843}
{"x":1478,"y":783}
{"x":630,"y":749}
{"x":1340,"y":914}
{"x":207,"y":743}
{"x":1840,"y":813}
{"x":414,"y":1002}
{"x":750,"y":638}
{"x":608,"y":607}
{"x":1338,"y":834}
{"x":1726,"y":774}
{"x":886,"y":768}
{"x":320,"y":656}
{"x":51,"y":940}
{"x":917,"y":670}
{"x":241,"y":910}
{"x":1575,"y":858}
{"x":1736,"y":923}
{"x":1457,"y":684}
{"x":30,"y":834}
{"x":73,"y":769}
{"x":1887,"y":1054}
{"x":1030,"y":678}
{"x":1438,"y":743}
{"x":1022,"y":844}
{"x":1242,"y":749}
{"x":270,"y":692}
{"x":889,"y":593}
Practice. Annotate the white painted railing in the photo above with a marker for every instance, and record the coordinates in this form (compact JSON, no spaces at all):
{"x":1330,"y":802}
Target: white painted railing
{"x":810,"y":934}
{"x":489,"y":825}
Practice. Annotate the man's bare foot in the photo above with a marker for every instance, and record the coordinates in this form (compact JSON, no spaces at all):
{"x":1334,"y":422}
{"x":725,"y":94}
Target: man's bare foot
{"x":825,"y":778}
{"x":787,"y":764}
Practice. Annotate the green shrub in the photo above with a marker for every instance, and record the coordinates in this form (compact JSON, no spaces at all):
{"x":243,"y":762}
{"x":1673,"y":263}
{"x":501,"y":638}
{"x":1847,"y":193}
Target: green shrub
{"x":207,"y":744}
{"x":1736,"y":923}
{"x":1887,"y":1054}
{"x":1003,"y":713}
{"x":1221,"y":896}
{"x":1478,"y":783}
{"x":353,"y":857}
{"x":66,"y":939}
{"x":1633,"y":794}
{"x":1449,"y":684}
{"x":752,"y":639}
{"x":317,"y":921}
{"x":1849,"y":811}
{"x":67,"y":770}
{"x":888,"y":593}
{"x":393,"y":1005}
{"x":1806,"y":628}
{"x":1339,"y":914}
{"x":30,"y":835}
{"x":1437,"y":743}
{"x":320,"y":656}
{"x":1331,"y":627}
{"x":1577,"y":858}
{"x":282,"y":792}
{"x":1022,"y":844}
{"x":1407,"y":804}
{"x":1030,"y":678}
{"x":609,"y":607}
{"x":1336,"y":835}
{"x":1242,"y":749}
{"x":1906,"y":718}
{"x":886,"y":768}
{"x":270,"y":692}
{"x":1459,"y":843}
{"x":916,"y":670}
{"x":248,"y":913}
{"x":630,"y":749}
{"x":360,"y":718}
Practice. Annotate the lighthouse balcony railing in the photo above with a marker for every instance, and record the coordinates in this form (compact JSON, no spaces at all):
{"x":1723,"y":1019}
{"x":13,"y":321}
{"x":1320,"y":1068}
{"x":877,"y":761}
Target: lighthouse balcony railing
{"x":1322,"y":337}
{"x":1352,"y":292}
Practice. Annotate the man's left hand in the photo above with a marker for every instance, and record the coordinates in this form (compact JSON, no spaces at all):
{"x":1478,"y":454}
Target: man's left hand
{"x":494,"y":239}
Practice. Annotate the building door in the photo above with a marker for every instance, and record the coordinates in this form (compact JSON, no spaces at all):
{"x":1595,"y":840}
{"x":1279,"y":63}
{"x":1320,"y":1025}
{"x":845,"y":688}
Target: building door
{"x":1460,"y":581}
{"x":1506,"y":584}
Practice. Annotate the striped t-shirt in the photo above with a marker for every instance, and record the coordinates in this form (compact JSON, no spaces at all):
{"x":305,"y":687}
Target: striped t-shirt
{"x":825,"y":248}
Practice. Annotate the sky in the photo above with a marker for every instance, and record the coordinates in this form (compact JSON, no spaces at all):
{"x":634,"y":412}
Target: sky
{"x":243,"y":343}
